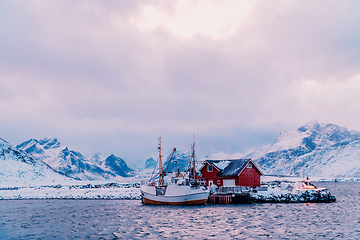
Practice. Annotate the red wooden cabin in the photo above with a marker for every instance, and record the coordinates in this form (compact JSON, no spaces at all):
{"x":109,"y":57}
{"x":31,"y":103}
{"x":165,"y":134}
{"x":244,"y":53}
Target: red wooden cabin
{"x":238,"y":172}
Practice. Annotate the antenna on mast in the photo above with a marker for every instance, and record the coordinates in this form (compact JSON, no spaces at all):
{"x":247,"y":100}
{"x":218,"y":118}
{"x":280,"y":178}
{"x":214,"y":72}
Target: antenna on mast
{"x":159,"y":148}
{"x":193,"y":156}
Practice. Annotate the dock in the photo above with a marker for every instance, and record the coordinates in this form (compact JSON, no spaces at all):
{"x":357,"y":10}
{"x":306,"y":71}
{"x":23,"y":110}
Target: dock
{"x":231,"y":195}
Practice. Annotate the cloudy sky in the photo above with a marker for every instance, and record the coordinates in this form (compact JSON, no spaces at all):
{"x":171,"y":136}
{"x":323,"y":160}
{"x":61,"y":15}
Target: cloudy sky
{"x":113,"y":76}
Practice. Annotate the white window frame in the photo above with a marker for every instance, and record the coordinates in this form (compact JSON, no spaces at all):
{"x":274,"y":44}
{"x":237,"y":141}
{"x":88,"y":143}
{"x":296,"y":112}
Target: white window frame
{"x":211,"y":183}
{"x":212,"y":168}
{"x":249,"y":165}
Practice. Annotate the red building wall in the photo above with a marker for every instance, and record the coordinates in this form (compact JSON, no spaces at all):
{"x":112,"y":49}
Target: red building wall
{"x":249,"y":177}
{"x":208,"y":176}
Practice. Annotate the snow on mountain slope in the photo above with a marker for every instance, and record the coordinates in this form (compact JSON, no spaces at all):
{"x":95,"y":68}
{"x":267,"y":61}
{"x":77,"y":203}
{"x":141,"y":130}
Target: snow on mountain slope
{"x":97,"y":159}
{"x":180,"y":161}
{"x":17,"y":165}
{"x":118,"y":166}
{"x":317,"y":150}
{"x":73,"y":164}
{"x":150,"y":163}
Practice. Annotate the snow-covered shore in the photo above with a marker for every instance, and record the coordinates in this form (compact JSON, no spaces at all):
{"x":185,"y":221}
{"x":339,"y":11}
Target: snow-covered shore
{"x":299,"y":196}
{"x":76,"y":190}
{"x":267,"y":178}
{"x":276,"y":191}
{"x":289,"y":191}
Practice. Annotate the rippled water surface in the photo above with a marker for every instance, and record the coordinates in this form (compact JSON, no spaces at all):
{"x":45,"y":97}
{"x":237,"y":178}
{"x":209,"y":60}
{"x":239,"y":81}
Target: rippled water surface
{"x":124,"y":219}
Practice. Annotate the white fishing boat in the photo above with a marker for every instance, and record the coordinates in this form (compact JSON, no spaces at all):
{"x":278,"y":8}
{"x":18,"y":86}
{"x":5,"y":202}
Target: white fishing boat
{"x":181,"y":189}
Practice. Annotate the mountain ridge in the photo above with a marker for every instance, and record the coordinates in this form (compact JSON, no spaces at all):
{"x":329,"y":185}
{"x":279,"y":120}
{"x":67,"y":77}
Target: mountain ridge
{"x":74,"y":164}
{"x":18,"y":165}
{"x":319,"y":150}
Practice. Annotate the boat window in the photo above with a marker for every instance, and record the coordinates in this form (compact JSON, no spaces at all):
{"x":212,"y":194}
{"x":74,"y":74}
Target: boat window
{"x":160,"y":191}
{"x":210,"y":168}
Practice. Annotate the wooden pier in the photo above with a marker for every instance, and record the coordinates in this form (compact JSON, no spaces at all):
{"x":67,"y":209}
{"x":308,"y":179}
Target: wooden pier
{"x":229,"y":199}
{"x":231,"y":195}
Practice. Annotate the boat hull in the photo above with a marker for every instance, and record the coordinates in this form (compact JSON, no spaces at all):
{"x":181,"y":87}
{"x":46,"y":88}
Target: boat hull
{"x":187,"y":203}
{"x":182,"y":196}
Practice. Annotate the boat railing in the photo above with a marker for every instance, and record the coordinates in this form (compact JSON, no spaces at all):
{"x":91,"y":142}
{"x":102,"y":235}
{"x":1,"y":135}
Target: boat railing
{"x":183,"y":182}
{"x":156,"y":183}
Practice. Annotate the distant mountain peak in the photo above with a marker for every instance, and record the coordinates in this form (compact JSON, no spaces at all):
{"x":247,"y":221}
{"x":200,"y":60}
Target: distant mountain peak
{"x":72,"y":163}
{"x":38,"y":146}
{"x":97,"y":159}
{"x":96,"y":155}
{"x":49,"y":143}
{"x":318,"y":149}
{"x":312,"y":126}
{"x":4,"y":142}
{"x":19,"y":165}
{"x":118,"y":165}
{"x":150,"y":163}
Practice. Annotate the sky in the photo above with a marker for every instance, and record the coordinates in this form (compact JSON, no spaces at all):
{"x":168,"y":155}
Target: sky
{"x":113,"y":76}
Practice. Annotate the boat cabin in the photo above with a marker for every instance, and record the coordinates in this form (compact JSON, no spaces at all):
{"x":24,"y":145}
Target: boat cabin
{"x":238,"y":172}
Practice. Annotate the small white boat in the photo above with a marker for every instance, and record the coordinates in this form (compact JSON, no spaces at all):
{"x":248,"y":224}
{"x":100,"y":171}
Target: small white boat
{"x":182,"y":189}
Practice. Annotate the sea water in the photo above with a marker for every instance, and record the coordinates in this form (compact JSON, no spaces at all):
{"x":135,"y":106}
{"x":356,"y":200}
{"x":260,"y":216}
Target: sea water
{"x":129,"y":219}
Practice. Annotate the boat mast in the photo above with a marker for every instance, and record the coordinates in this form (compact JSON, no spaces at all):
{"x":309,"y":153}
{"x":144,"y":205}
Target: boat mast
{"x":159,"y":148}
{"x":193,"y":155}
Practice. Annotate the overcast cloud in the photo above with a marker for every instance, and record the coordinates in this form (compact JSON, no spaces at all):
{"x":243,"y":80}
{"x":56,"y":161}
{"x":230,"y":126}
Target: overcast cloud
{"x":112,"y":76}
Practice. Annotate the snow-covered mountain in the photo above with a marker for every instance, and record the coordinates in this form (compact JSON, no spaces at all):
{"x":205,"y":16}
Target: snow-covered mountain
{"x":180,"y":161}
{"x":118,"y":166}
{"x":73,"y":164}
{"x":150,"y":163}
{"x":317,"y":150}
{"x":17,"y":165}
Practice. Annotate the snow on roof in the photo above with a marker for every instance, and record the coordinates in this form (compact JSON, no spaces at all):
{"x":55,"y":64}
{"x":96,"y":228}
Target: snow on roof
{"x":220,"y":164}
{"x":234,"y":168}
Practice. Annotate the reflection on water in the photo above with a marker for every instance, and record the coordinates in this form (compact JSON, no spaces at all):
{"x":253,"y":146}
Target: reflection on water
{"x":124,"y":219}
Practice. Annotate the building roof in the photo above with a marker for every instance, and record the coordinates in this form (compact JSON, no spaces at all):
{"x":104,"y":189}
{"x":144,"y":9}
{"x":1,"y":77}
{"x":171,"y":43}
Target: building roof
{"x":235,"y":167}
{"x":230,"y":167}
{"x":219,"y":164}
